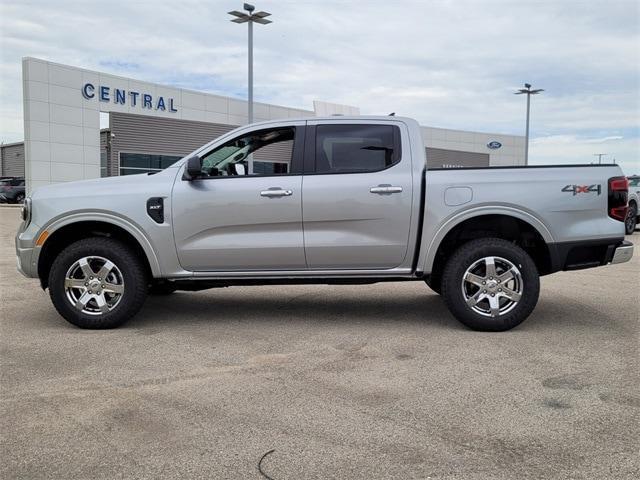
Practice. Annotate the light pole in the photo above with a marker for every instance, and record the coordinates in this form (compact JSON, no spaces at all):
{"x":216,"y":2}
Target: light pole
{"x":250,"y":18}
{"x":529,"y":92}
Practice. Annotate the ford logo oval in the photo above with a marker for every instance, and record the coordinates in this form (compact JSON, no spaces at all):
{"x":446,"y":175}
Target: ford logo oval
{"x":494,"y":145}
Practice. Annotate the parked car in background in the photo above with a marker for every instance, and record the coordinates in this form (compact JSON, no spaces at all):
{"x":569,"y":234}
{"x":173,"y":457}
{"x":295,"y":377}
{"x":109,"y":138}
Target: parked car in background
{"x":12,"y":190}
{"x":634,"y":201}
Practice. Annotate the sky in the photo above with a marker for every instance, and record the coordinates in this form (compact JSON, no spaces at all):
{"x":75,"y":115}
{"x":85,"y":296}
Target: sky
{"x":446,"y":63}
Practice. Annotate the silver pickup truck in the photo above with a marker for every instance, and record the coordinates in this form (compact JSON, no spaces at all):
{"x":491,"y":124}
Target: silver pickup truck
{"x":344,"y":200}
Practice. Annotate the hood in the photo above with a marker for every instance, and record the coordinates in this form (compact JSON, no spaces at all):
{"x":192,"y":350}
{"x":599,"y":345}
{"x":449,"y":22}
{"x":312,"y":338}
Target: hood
{"x":101,"y":186}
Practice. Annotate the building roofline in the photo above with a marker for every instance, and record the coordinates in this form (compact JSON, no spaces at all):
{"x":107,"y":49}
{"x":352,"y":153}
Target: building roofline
{"x":12,"y":144}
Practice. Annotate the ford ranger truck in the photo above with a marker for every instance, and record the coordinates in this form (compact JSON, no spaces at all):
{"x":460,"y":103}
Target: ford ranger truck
{"x":339,"y":200}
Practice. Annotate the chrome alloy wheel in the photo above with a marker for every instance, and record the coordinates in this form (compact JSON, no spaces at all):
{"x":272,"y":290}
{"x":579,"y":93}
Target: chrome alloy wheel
{"x":492,"y":286}
{"x":94,"y":285}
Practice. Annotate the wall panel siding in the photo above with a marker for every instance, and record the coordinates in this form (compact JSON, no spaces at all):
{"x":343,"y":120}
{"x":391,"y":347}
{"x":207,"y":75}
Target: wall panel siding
{"x":162,"y":136}
{"x":442,"y":158}
{"x":104,"y":148}
{"x":12,"y":164}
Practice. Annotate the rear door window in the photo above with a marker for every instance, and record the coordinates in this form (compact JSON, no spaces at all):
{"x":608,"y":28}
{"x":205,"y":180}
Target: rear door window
{"x":356,"y":148}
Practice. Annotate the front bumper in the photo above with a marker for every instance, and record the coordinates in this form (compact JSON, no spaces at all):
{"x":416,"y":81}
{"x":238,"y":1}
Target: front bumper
{"x":27,"y":253}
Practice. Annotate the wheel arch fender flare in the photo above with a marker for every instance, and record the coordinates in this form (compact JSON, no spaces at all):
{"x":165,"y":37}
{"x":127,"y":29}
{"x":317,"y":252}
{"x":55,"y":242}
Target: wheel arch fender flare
{"x":124,"y":223}
{"x":460,"y":217}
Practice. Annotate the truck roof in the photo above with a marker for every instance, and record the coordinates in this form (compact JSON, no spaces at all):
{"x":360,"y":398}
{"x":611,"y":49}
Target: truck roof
{"x":355,"y":118}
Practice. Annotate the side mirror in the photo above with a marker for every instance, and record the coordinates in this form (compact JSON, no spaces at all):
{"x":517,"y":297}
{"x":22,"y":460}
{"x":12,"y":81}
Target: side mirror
{"x":192,"y":169}
{"x":240,"y":169}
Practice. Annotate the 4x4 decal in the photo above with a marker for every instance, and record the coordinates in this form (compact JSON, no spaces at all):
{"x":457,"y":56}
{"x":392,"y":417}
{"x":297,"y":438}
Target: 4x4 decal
{"x":576,"y":189}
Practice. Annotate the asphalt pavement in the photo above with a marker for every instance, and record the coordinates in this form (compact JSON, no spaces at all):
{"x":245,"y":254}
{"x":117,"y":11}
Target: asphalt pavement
{"x":346,"y":382}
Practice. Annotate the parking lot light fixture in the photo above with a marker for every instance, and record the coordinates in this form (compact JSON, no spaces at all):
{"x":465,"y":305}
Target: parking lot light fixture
{"x":528,"y":91}
{"x":250,"y":18}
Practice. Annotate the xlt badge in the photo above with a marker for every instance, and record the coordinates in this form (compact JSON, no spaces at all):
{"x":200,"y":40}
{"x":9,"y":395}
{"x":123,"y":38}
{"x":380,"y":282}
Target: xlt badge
{"x":155,"y":209}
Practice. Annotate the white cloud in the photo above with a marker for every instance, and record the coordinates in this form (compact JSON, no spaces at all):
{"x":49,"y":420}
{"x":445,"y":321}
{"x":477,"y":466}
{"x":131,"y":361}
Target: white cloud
{"x":566,"y":149}
{"x":447,"y":63}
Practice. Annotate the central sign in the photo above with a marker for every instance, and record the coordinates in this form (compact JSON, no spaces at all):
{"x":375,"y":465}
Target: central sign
{"x":121,"y":96}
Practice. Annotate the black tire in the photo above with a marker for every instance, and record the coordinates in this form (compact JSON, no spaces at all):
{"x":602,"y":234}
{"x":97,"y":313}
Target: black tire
{"x":161,"y":289}
{"x":630,"y":221}
{"x":129,"y":265}
{"x":469,"y":254}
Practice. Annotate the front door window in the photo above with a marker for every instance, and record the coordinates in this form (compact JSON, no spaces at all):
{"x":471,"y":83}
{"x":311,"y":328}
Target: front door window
{"x":263,"y":152}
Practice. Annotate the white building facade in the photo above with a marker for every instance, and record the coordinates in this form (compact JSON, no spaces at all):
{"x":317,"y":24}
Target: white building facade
{"x":62,"y":106}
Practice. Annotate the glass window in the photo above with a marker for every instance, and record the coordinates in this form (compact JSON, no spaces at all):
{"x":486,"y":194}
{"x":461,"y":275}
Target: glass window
{"x":634,"y":181}
{"x":270,"y":168}
{"x":133,"y":163}
{"x":264,"y":152}
{"x":356,"y":148}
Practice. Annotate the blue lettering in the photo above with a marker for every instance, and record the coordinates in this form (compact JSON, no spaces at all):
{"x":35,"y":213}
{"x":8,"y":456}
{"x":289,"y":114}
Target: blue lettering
{"x":120,"y":96}
{"x":87,"y":91}
{"x":146,"y":101}
{"x":104,"y":94}
{"x":160,"y":105}
{"x":171,"y":109}
{"x":133,"y":96}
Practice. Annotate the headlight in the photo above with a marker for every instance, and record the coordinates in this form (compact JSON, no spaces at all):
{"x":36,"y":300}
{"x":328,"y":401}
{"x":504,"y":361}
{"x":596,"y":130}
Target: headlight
{"x":26,"y":210}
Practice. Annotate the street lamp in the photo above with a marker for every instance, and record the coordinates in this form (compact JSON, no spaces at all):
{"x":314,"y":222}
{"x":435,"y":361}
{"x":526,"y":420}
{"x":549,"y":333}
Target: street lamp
{"x":250,"y":18}
{"x":529,"y":92}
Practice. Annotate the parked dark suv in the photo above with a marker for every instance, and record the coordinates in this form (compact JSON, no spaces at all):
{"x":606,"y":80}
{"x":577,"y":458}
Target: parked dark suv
{"x":12,"y":190}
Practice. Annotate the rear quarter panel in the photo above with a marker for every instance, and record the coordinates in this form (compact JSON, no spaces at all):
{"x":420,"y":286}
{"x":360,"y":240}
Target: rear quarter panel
{"x":554,"y":200}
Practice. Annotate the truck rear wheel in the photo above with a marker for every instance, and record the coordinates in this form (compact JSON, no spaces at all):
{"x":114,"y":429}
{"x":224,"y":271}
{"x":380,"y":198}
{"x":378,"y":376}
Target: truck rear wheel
{"x":490,"y":284}
{"x":97,"y":283}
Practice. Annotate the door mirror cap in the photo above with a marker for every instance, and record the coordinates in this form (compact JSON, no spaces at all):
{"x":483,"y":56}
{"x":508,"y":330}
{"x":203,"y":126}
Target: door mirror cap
{"x":193,"y":168}
{"x":240,"y":169}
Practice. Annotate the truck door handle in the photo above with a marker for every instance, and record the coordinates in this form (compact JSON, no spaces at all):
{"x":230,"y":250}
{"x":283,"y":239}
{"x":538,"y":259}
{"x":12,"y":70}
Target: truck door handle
{"x":276,"y":192}
{"x":385,"y":189}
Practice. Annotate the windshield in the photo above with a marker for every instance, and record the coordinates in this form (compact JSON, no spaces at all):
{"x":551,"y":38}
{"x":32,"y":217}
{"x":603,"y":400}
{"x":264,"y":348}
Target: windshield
{"x":634,"y":182}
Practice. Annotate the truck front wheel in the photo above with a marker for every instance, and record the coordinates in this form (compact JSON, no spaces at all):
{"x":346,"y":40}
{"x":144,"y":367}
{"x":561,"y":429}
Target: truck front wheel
{"x":97,"y":283}
{"x":490,"y":284}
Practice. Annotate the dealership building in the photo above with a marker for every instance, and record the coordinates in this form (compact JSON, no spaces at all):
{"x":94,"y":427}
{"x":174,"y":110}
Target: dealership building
{"x":150,"y":126}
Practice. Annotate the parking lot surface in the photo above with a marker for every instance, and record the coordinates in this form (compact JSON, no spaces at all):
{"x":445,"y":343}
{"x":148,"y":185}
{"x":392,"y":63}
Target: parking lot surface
{"x":350,"y":382}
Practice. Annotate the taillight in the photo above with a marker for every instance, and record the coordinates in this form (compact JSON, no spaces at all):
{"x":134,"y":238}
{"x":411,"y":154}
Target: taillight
{"x":618,"y":191}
